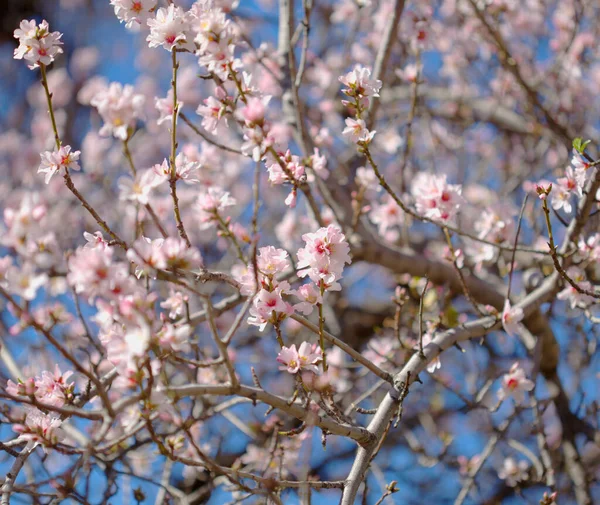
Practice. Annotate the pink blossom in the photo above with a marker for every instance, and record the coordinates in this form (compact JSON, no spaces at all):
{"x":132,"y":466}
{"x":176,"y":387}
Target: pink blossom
{"x":175,"y":337}
{"x":24,"y":281}
{"x":310,"y":296}
{"x":170,"y":28}
{"x":147,"y":254}
{"x":360,"y":86}
{"x":324,"y":256}
{"x":119,"y":106}
{"x":185,"y":170}
{"x":53,"y":388}
{"x":214,"y":109}
{"x":175,"y":303}
{"x":27,"y":387}
{"x":272,"y":261}
{"x":387,"y":215}
{"x":305,"y":358}
{"x":94,"y":240}
{"x":254,"y":111}
{"x":294,"y":169}
{"x":564,"y":189}
{"x":139,"y":188}
{"x":179,"y":256}
{"x":211,"y":203}
{"x":269,"y":307}
{"x":165,"y":108}
{"x":37,"y":44}
{"x":575,"y":298}
{"x":356,"y":131}
{"x":53,"y":161}
{"x":134,"y":13}
{"x":514,"y":384}
{"x":435,"y":198}
{"x":40,"y":429}
{"x":511,"y":317}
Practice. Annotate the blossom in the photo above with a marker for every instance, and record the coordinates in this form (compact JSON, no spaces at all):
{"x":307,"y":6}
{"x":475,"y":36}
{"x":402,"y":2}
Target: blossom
{"x":257,"y":141}
{"x":272,"y":261}
{"x":175,"y":337}
{"x":360,"y":86}
{"x":514,"y":384}
{"x":285,"y":167}
{"x":324,"y":256}
{"x":218,"y":58}
{"x":565,"y":188}
{"x":134,"y":13}
{"x":269,"y":307}
{"x":211,"y":203}
{"x":367,"y":178}
{"x":53,"y":161}
{"x":53,"y":388}
{"x":570,"y":293}
{"x":214,"y":109}
{"x":165,"y":108}
{"x":94,"y":240}
{"x":40,"y":429}
{"x":119,"y":106}
{"x":37,"y":44}
{"x":185,"y":170}
{"x":356,"y":130}
{"x":435,"y":198}
{"x":170,"y":28}
{"x":92,"y":271}
{"x":255,"y":110}
{"x":511,"y":317}
{"x":310,"y":296}
{"x":305,"y":358}
{"x":175,"y":303}
{"x":147,"y":254}
{"x":24,"y":282}
{"x":578,"y":162}
{"x":179,"y":256}
{"x":216,"y":37}
{"x":382,"y":351}
{"x":513,"y":472}
{"x":387,"y":215}
{"x":139,"y":188}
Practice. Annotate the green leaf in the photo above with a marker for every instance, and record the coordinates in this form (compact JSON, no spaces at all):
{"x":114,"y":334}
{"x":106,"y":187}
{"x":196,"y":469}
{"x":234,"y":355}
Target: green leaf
{"x":579,"y":145}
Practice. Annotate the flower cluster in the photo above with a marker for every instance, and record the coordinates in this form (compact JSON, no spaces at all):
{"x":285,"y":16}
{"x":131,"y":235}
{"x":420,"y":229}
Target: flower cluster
{"x":324,"y":256}
{"x":216,"y":38}
{"x":37,"y":44}
{"x":286,"y":168}
{"x":134,"y":13}
{"x":257,"y":136}
{"x":210,"y":205}
{"x":120,"y":107}
{"x":359,"y":87}
{"x":305,"y":358}
{"x":171,"y":253}
{"x":49,"y":388}
{"x":435,"y":198}
{"x":40,"y":429}
{"x":268,"y":305}
{"x":215,"y":109}
{"x":171,"y":29}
